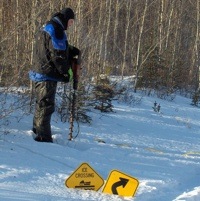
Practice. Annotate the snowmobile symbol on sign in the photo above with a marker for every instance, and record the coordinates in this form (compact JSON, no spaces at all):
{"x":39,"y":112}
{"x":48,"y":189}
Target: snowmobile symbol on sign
{"x":85,"y":185}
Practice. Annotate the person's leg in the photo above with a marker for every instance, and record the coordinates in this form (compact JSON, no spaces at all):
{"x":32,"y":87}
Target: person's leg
{"x":45,"y":106}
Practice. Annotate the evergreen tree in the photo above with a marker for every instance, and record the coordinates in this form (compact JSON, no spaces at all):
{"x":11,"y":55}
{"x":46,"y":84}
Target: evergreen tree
{"x":103,"y":95}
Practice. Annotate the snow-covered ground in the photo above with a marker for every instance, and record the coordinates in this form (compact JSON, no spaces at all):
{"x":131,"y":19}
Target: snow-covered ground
{"x":161,"y":150}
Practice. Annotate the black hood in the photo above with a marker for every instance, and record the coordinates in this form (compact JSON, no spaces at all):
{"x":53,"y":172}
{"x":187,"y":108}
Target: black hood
{"x":64,"y":15}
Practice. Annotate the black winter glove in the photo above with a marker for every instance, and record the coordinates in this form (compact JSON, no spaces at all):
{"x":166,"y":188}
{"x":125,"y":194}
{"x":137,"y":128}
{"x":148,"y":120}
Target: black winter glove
{"x":73,"y":52}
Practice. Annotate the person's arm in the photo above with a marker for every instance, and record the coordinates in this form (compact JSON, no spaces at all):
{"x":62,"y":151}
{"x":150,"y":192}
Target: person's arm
{"x":59,"y":58}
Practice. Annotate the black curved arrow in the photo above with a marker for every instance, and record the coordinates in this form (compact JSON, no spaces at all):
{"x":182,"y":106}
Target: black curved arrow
{"x":122,"y":183}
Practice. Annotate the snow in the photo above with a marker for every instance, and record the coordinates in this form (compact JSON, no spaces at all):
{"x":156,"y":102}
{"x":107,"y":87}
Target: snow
{"x":161,"y":150}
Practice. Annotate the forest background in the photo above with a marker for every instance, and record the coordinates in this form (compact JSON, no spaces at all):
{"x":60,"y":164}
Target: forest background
{"x":156,"y":41}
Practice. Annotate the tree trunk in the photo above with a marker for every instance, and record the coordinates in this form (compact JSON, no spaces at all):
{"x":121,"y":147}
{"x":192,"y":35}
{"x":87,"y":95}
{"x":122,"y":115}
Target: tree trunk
{"x":139,"y":45}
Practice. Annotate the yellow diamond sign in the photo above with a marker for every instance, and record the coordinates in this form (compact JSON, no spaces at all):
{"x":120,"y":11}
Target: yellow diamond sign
{"x":122,"y":184}
{"x":84,"y":177}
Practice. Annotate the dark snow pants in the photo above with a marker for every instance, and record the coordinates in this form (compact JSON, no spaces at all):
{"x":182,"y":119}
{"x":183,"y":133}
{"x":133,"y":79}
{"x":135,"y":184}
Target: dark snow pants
{"x":45,"y":106}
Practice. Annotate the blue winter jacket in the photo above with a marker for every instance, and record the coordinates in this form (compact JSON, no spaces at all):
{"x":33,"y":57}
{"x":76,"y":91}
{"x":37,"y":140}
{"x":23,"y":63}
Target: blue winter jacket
{"x":50,"y":56}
